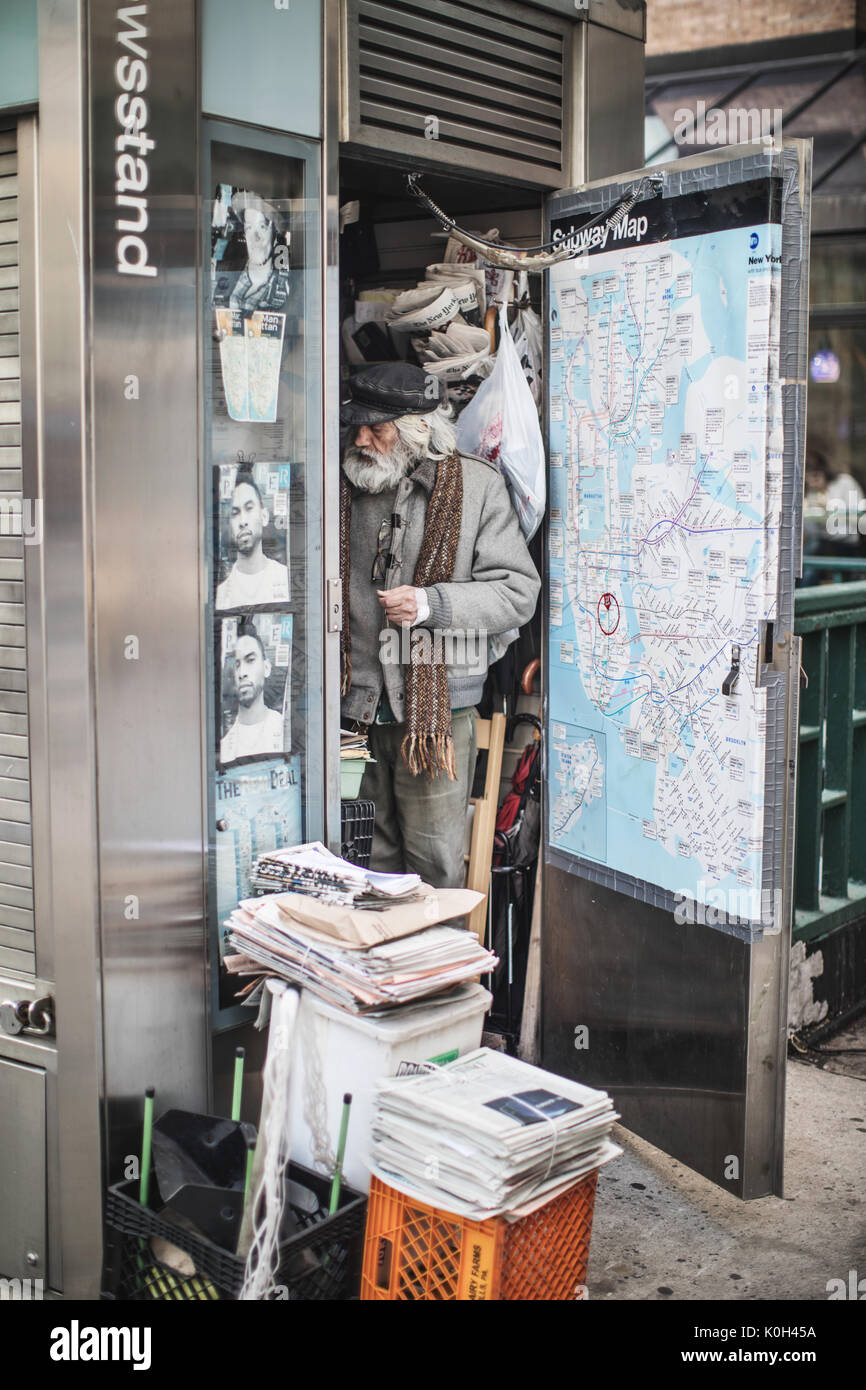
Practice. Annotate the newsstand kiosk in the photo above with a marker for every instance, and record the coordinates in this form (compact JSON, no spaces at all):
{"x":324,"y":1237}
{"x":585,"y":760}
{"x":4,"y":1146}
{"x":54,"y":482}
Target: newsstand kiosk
{"x":179,"y":173}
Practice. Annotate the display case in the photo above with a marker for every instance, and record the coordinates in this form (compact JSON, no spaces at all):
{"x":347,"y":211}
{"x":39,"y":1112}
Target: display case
{"x":262,"y":513}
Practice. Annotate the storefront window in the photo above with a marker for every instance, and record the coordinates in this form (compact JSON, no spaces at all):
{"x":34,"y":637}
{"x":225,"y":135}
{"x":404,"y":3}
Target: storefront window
{"x":263,"y":508}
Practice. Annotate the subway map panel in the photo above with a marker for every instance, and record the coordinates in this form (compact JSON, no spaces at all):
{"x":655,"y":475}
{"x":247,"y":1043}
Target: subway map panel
{"x":666,"y":471}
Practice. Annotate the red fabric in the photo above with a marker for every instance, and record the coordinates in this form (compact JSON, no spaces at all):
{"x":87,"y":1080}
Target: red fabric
{"x":508,"y":811}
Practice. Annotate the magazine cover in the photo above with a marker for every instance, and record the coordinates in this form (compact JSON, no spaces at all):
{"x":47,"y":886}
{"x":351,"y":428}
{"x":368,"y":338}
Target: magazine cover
{"x":258,"y":810}
{"x":254,"y":661}
{"x":251,"y":535}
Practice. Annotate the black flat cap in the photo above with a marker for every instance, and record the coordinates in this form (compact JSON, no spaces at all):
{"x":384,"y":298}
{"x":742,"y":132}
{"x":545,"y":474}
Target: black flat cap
{"x":386,"y":392}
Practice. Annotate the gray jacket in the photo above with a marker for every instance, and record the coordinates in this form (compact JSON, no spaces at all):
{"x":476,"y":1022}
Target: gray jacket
{"x":494,"y":586}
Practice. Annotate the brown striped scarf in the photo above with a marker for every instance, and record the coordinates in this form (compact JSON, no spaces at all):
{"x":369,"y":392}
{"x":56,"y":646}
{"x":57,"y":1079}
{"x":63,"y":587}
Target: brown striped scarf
{"x":428,"y":745}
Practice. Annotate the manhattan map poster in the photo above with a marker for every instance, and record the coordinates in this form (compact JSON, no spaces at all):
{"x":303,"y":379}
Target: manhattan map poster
{"x":666,"y":449}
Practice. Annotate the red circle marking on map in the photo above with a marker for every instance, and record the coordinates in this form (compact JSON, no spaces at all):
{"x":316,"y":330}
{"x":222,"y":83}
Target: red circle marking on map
{"x":608,"y":614}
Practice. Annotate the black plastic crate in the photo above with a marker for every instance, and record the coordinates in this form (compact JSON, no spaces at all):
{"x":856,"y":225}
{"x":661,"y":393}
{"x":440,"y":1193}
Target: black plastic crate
{"x":357,"y":820}
{"x":322,"y":1262}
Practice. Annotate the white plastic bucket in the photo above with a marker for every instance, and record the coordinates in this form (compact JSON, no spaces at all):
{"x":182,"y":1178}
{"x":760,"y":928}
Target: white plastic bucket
{"x":356,"y":1052}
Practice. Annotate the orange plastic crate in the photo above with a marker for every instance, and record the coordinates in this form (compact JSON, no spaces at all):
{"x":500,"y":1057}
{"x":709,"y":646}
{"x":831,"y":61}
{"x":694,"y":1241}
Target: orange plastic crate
{"x":416,"y":1252}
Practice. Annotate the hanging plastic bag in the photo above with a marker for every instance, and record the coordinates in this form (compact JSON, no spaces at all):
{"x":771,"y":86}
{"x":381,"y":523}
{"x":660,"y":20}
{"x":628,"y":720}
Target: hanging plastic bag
{"x":526,"y":332}
{"x":501,"y":425}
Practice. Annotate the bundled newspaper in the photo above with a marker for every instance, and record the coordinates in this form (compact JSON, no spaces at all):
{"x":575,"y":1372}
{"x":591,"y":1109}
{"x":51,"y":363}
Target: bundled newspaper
{"x":363,"y":961}
{"x":314,"y":870}
{"x":488,"y":1135}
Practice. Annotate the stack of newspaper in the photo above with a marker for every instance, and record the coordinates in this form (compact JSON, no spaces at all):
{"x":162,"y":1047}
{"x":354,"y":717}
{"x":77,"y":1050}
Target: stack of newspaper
{"x":314,"y":870}
{"x":363,"y":961}
{"x":488,"y":1135}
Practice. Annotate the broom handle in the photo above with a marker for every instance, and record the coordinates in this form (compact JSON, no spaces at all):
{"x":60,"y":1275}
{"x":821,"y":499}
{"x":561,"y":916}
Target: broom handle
{"x":146,"y":1145}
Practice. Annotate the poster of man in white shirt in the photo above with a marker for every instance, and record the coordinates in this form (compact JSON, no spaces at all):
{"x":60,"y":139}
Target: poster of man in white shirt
{"x":255,"y":685}
{"x":252,"y":519}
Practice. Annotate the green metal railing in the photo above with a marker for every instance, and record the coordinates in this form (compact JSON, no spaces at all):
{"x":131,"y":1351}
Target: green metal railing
{"x":830,"y":859}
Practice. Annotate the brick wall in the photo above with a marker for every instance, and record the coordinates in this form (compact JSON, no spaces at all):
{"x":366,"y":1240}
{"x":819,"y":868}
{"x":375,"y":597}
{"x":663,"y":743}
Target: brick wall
{"x":678,"y":26}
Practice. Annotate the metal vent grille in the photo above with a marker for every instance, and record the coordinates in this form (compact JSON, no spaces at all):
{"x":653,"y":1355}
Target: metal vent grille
{"x":16,"y":882}
{"x":472,"y":84}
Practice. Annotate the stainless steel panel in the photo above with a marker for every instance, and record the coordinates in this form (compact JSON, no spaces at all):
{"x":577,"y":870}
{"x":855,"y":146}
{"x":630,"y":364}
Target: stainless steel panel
{"x":626,"y":16}
{"x":614,"y":102}
{"x":330,"y":261}
{"x":604,"y":118}
{"x":146,"y":584}
{"x":63,"y":714}
{"x":22,"y":1157}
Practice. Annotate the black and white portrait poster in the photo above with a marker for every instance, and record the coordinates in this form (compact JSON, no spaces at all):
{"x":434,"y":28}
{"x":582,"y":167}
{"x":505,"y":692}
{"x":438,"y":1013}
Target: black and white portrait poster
{"x":250,"y":241}
{"x":250,"y":270}
{"x":251,"y":543}
{"x":254,"y":662}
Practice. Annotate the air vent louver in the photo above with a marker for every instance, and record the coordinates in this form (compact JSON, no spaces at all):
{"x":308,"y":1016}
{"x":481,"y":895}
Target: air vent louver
{"x":486,"y":82}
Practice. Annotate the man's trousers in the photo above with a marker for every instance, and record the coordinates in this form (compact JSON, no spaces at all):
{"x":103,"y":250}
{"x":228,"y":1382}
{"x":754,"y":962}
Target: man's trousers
{"x":420,"y":821}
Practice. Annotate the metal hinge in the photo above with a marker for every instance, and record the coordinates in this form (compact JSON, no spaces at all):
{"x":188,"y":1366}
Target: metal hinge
{"x":335,"y":605}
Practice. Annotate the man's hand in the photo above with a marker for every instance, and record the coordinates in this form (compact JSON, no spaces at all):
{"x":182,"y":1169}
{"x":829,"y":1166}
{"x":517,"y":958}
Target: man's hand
{"x":400,"y":604}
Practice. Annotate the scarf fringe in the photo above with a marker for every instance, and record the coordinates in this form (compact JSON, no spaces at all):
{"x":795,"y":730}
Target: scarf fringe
{"x":430,"y":754}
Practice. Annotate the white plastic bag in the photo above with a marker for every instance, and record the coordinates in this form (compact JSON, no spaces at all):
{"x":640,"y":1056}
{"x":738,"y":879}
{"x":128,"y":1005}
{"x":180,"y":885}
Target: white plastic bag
{"x":501,"y":424}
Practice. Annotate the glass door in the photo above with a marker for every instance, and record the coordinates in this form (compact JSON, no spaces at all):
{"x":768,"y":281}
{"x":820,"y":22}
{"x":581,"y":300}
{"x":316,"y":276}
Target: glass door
{"x":262,"y":331}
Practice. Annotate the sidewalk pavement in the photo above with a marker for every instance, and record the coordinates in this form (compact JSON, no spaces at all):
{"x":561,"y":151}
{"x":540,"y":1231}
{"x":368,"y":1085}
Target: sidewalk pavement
{"x":662,"y":1232}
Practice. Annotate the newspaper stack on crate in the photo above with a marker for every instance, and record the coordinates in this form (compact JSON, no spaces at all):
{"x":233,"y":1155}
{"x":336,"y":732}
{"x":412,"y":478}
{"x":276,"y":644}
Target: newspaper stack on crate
{"x":488,"y":1135}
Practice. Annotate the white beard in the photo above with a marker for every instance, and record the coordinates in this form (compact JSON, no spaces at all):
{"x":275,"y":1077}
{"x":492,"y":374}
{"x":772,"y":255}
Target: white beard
{"x":372,"y":472}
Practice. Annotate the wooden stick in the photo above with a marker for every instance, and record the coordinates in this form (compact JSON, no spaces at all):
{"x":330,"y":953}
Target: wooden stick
{"x":529,"y":1049}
